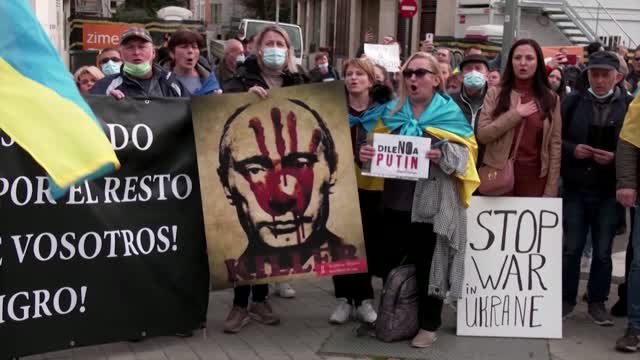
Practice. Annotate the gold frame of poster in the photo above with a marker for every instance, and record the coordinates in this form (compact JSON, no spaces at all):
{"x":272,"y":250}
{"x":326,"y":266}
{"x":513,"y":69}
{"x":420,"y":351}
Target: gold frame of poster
{"x":278,"y":183}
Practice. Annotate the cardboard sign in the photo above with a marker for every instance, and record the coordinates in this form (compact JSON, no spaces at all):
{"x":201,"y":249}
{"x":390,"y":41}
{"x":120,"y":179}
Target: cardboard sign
{"x":387,"y":56}
{"x":399,"y":157}
{"x":513,"y":269}
{"x":102,"y":36}
{"x":278,"y":185}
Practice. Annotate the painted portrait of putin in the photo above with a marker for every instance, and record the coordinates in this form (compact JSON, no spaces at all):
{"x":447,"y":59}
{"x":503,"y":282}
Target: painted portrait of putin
{"x":277,"y":167}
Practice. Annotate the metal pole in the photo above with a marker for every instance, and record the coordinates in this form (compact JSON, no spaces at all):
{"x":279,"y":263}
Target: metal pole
{"x":277,"y":11}
{"x":407,"y":38}
{"x":597,"y":22}
{"x":291,"y":6}
{"x":511,"y":27}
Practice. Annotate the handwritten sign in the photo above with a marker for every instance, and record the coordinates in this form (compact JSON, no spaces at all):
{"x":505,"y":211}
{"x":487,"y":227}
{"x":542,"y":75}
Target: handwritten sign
{"x":387,"y":56}
{"x":513,"y":268}
{"x":399,"y":157}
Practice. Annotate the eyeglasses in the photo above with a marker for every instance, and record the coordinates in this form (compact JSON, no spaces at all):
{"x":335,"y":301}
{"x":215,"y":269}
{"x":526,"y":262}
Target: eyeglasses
{"x":420,"y":73}
{"x":114,"y":59}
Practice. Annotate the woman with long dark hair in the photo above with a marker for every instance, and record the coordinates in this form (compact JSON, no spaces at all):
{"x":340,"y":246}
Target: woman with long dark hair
{"x":557,"y":83}
{"x":520,"y":124}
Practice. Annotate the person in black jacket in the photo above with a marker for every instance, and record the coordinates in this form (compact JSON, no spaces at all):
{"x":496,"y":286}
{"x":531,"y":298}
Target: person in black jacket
{"x":272,"y":66}
{"x":591,"y":124}
{"x":138,"y":76}
{"x":470,"y":99}
{"x":323,"y":70}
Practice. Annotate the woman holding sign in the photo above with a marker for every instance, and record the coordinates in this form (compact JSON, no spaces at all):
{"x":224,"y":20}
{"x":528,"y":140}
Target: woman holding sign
{"x":366,"y":106}
{"x":272,"y":67}
{"x":414,"y":211}
{"x":521,"y":126}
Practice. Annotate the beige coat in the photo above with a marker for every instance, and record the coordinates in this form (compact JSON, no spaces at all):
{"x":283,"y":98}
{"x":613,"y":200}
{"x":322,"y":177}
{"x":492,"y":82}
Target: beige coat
{"x":497,"y":135}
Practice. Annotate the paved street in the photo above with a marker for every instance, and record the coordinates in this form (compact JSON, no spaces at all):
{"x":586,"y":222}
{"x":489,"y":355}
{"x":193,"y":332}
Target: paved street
{"x":305,"y":329}
{"x":305,"y":334}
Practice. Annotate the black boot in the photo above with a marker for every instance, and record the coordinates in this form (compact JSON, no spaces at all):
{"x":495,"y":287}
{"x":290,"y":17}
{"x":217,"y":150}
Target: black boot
{"x":620,"y":308}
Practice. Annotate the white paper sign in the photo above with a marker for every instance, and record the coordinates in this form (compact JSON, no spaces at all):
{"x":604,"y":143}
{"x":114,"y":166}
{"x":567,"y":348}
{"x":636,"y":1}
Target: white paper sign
{"x":387,"y":56}
{"x":513,"y":269}
{"x":399,"y":157}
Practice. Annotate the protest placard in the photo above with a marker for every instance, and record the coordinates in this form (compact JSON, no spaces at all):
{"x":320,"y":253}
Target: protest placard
{"x":278,"y":185}
{"x":513,"y":268}
{"x":119,"y":258}
{"x":399,"y":157}
{"x":387,"y":56}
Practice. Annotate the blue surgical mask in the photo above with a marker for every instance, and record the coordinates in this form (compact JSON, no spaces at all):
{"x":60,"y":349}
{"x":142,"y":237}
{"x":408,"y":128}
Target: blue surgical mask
{"x":273,"y":57}
{"x":110,"y":68}
{"x":601,"y":97}
{"x":240,"y":59}
{"x":474,"y":80}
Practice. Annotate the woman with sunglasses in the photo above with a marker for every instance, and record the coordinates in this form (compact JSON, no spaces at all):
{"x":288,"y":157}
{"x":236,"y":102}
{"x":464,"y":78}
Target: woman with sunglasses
{"x":521,"y":121}
{"x":366,"y":107}
{"x":110,"y":61}
{"x":424,"y":110}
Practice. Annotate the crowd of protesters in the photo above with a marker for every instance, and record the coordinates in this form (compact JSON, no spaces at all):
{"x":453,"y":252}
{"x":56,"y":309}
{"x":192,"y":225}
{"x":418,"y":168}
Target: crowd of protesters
{"x":557,"y":123}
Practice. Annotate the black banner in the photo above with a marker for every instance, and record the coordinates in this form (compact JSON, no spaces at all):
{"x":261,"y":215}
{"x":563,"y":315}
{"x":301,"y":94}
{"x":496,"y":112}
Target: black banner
{"x":116,"y":259}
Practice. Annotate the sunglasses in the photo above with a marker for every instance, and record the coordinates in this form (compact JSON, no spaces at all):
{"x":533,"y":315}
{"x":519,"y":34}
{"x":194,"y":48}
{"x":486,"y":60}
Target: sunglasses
{"x":114,"y":59}
{"x":420,"y":73}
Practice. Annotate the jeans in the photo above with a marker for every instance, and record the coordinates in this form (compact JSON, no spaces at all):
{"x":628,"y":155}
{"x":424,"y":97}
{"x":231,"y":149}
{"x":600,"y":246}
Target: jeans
{"x":633,"y":281}
{"x":241,"y":294}
{"x":586,"y":211}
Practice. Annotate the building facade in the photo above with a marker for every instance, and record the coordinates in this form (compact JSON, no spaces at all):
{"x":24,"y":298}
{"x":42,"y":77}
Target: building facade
{"x":341,"y":25}
{"x":221,"y":17}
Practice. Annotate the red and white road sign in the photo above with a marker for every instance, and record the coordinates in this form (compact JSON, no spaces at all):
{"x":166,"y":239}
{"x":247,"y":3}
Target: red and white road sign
{"x":408,"y":8}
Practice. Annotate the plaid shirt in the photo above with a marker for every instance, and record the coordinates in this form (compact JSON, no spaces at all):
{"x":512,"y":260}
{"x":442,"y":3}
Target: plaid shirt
{"x":436,"y":201}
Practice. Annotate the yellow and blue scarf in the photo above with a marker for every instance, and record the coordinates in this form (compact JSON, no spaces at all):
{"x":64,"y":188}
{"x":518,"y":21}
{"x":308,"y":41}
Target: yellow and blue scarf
{"x":443,"y":119}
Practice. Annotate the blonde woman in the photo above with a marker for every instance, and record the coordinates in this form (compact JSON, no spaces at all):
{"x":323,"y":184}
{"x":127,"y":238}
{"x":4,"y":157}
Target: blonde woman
{"x":423,"y":110}
{"x":86,"y":77}
{"x":273,"y":66}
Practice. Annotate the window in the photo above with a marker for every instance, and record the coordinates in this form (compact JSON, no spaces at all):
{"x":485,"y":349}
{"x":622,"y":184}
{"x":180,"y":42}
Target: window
{"x":216,"y":13}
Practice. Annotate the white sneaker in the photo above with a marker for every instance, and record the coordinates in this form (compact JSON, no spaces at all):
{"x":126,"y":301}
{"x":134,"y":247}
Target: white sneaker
{"x":284,"y":290}
{"x":342,"y":313}
{"x":366,"y":313}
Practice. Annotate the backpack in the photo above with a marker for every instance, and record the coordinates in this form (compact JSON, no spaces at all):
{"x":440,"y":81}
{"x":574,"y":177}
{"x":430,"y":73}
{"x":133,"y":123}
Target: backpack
{"x":398,"y":309}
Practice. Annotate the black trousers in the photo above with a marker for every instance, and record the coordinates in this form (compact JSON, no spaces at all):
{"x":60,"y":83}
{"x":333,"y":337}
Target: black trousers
{"x":357,"y":287}
{"x":241,"y":294}
{"x":414,"y":243}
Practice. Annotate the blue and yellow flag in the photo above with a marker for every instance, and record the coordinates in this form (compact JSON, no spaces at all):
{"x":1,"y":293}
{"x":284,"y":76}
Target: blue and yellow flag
{"x":41,"y":108}
{"x":631,"y":129}
{"x":443,"y":119}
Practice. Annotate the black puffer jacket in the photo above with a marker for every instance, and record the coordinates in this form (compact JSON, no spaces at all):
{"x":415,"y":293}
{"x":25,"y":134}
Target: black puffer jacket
{"x":249,"y":75}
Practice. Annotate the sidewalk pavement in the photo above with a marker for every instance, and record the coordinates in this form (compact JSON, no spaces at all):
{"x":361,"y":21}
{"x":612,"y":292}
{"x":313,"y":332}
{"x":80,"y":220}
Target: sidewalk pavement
{"x":305,"y":332}
{"x":305,"y":329}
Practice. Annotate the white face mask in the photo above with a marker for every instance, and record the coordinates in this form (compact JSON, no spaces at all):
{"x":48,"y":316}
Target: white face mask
{"x":600,"y":97}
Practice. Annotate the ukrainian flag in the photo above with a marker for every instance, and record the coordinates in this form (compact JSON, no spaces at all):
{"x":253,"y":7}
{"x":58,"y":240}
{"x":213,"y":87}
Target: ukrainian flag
{"x":631,"y":129}
{"x":443,"y":119}
{"x":40,"y":107}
